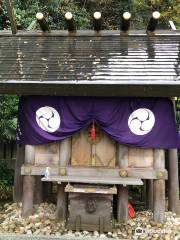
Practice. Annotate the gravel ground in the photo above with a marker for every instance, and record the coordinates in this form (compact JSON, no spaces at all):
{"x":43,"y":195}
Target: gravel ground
{"x":43,"y":225}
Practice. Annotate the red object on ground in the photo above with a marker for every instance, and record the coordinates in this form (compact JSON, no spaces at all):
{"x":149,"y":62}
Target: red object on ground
{"x":93,"y":133}
{"x":131,"y":212}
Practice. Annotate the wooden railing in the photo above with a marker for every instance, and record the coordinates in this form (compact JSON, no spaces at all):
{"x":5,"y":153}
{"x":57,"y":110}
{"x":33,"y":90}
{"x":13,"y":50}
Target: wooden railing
{"x":8,"y":154}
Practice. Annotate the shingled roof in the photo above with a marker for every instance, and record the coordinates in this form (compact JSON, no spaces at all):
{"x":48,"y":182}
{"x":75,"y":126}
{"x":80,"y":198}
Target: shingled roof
{"x":87,"y":64}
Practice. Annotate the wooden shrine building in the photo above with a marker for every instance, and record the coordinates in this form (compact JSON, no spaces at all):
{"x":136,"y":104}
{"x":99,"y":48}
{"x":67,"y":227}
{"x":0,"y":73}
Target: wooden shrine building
{"x":102,"y":64}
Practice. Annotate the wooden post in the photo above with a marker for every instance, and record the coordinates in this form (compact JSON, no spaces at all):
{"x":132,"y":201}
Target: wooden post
{"x":18,"y":178}
{"x":11,"y":16}
{"x":28,"y":184}
{"x":173,"y":182}
{"x":149,"y":194}
{"x":42,"y":22}
{"x":29,"y":154}
{"x":159,"y":187}
{"x":173,"y":179}
{"x":28,"y":195}
{"x":122,"y":202}
{"x":30,"y":159}
{"x":62,"y":201}
{"x":61,"y":210}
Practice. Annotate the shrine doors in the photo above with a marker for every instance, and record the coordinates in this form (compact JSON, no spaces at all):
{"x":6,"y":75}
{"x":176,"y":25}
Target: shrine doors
{"x":101,"y":153}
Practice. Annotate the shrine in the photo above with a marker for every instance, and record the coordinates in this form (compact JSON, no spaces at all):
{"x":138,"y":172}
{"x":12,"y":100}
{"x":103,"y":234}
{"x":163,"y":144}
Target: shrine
{"x":96,"y":115}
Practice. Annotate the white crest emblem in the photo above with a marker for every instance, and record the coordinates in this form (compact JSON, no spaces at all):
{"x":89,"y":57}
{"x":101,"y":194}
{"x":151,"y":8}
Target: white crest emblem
{"x":141,"y":121}
{"x":48,"y":119}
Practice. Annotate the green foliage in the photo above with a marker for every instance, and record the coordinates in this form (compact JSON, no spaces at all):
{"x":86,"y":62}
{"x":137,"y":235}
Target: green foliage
{"x":6,"y":181}
{"x":54,"y":10}
{"x":4,"y":21}
{"x":8,"y":117}
{"x":169,"y":9}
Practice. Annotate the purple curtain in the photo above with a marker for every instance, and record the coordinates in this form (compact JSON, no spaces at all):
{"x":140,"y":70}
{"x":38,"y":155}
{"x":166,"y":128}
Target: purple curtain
{"x":141,"y":122}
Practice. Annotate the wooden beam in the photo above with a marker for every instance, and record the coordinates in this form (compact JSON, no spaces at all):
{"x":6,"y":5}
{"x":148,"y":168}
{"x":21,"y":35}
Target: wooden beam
{"x":159,"y":187}
{"x":98,"y":180}
{"x":91,"y":33}
{"x":11,"y":16}
{"x":144,"y":173}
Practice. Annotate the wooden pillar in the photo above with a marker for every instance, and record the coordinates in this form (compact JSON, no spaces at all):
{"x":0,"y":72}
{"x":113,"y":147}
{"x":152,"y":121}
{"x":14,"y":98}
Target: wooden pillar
{"x":149,"y":194}
{"x":30,"y":159}
{"x":159,"y":187}
{"x":62,"y":201}
{"x":173,"y":182}
{"x":18,"y":178}
{"x":28,"y":195}
{"x":173,"y":179}
{"x":122,"y":201}
{"x":28,"y":183}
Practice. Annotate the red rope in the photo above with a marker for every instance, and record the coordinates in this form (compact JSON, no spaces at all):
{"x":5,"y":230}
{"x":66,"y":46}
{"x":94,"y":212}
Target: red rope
{"x":93,"y":133}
